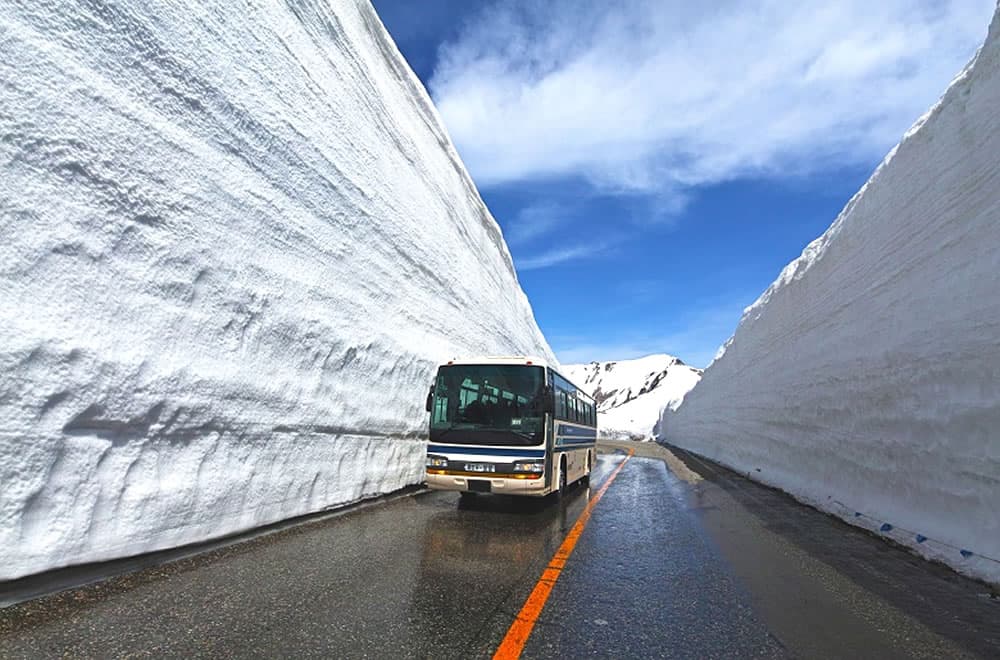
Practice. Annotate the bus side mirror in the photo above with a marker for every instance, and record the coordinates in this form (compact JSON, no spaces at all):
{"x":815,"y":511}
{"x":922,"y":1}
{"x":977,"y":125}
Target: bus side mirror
{"x":430,"y":399}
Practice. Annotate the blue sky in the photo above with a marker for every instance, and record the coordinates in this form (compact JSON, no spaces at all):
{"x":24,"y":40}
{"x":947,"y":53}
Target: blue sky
{"x":654,"y":164}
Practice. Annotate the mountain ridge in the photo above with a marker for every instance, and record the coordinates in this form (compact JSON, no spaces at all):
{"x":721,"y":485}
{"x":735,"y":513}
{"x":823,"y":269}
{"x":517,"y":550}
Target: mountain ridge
{"x":631,"y":394}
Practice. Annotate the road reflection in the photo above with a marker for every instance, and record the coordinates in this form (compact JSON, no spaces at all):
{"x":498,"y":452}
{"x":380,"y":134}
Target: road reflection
{"x":479,"y":553}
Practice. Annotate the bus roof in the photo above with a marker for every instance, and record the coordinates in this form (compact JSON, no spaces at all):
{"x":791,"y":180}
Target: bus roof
{"x":502,"y":359}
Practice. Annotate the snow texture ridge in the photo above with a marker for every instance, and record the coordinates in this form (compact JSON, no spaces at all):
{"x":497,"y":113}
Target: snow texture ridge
{"x":632,"y":394}
{"x":866,"y":379}
{"x":235,"y":240}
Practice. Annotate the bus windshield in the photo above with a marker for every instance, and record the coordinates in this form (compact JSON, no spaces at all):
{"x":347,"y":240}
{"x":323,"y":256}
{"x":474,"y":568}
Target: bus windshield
{"x":488,"y":404}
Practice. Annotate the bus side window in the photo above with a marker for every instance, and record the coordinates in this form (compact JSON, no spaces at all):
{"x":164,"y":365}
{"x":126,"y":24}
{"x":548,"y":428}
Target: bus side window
{"x":561,"y":404}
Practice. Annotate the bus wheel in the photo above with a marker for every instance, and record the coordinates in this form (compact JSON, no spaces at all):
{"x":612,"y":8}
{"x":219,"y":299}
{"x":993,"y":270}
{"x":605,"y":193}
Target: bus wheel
{"x":562,"y":477}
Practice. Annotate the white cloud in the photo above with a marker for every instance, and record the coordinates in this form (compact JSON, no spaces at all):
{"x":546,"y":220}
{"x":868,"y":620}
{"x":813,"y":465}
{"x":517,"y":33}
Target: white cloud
{"x":655,"y":96}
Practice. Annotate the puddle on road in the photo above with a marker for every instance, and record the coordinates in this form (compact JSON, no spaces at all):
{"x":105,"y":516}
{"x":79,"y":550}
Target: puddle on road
{"x":680,"y":470}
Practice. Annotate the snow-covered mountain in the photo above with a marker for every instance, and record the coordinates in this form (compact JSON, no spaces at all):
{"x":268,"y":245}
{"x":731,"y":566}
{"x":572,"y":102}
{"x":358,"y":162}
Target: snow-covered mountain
{"x":866,"y":379}
{"x":631,"y":394}
{"x":235,"y":241}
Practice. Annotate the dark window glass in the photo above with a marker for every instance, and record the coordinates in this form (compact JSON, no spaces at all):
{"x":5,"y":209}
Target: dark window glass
{"x":488,"y":404}
{"x":568,"y":406}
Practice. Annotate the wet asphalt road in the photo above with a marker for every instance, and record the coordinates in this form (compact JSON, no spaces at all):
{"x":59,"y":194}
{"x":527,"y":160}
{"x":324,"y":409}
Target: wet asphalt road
{"x":679,"y":559}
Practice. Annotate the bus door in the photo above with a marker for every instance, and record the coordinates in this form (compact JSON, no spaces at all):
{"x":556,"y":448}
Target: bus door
{"x":550,"y":432}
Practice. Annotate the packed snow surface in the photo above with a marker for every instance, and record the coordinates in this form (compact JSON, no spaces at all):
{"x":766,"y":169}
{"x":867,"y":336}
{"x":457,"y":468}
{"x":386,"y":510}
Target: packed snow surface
{"x":235,"y":240}
{"x":866,"y":379}
{"x":632,"y":394}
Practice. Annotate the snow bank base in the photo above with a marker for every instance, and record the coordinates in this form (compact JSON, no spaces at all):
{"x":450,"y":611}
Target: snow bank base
{"x":98,"y":496}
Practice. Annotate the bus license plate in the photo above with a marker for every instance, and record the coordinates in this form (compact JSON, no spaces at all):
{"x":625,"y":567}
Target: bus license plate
{"x":480,"y":467}
{"x":480,"y":486}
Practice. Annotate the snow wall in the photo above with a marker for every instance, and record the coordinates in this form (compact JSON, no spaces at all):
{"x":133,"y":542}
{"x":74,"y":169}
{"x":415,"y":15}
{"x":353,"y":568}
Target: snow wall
{"x":235,"y":240}
{"x":866,"y":379}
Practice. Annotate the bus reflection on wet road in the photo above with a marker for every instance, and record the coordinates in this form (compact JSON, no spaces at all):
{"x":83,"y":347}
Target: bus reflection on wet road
{"x":479,"y":558}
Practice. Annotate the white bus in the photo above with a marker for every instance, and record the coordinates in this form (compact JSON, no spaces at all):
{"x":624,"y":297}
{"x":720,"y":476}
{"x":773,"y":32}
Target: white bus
{"x":509,"y":425}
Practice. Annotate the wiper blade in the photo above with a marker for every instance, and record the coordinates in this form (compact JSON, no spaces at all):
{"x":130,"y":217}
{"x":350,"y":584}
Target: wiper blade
{"x":454,"y":426}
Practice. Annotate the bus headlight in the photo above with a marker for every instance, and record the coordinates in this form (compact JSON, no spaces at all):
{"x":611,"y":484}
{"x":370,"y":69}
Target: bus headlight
{"x":533,"y":467}
{"x":436,"y":461}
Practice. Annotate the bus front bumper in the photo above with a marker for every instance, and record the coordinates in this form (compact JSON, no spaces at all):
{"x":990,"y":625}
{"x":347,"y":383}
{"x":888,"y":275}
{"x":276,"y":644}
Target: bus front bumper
{"x":498,"y":485}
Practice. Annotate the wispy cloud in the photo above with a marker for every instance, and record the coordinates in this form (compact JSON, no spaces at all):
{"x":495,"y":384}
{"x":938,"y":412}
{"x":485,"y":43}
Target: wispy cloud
{"x":542,"y":236}
{"x":657,"y":96}
{"x":581,"y":353}
{"x":694,"y":337}
{"x":535,"y":221}
{"x":560,"y":255}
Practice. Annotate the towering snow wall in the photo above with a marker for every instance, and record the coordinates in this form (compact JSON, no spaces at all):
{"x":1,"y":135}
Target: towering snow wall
{"x":235,"y":239}
{"x":866,"y":379}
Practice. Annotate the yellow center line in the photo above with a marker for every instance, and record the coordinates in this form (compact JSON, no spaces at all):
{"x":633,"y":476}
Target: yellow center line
{"x":517,"y":636}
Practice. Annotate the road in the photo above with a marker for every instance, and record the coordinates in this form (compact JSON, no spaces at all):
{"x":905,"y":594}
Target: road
{"x":678,"y":559}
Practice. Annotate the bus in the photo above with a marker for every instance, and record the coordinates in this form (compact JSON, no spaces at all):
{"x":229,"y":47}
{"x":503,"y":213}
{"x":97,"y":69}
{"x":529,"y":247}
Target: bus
{"x":508,"y":425}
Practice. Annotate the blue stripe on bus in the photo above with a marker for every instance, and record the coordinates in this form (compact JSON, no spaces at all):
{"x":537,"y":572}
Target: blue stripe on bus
{"x":487,"y":451}
{"x":574,"y":441}
{"x":574,"y":445}
{"x":576,"y":431}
